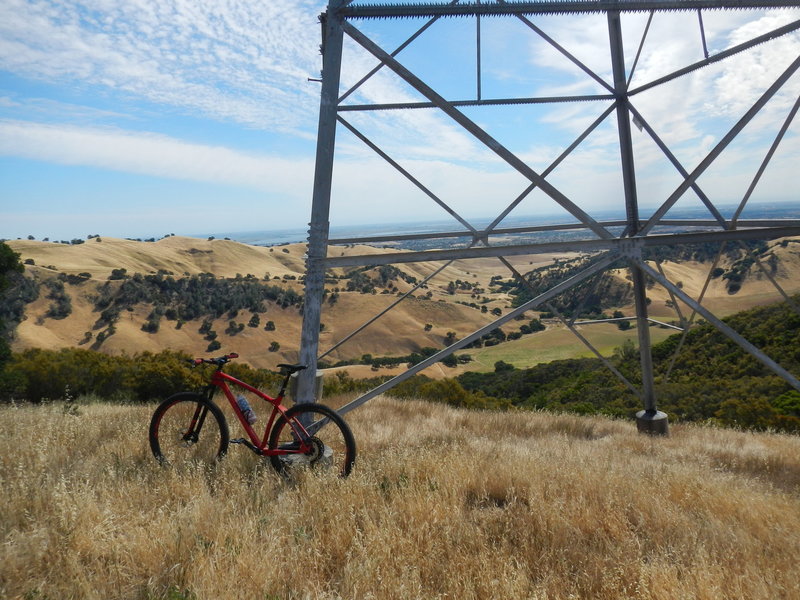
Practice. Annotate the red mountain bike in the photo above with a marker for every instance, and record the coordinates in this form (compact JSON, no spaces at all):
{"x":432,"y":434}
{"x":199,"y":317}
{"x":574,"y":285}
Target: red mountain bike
{"x":190,"y":427}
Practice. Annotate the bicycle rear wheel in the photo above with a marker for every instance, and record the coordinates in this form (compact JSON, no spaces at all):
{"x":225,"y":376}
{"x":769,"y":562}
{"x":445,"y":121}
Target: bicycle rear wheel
{"x":332,"y":444}
{"x":187,"y":428}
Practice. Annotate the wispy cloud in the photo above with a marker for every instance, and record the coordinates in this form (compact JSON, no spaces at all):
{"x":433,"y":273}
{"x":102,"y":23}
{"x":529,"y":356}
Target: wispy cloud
{"x":236,"y":61}
{"x":674,"y":41}
{"x":245,"y":64}
{"x":155,"y":155}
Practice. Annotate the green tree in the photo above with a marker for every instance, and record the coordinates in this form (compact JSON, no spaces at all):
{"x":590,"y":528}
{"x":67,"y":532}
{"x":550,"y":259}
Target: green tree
{"x":9,"y":263}
{"x":536,"y":325}
{"x":755,"y":413}
{"x":788,"y":403}
{"x":626,"y":352}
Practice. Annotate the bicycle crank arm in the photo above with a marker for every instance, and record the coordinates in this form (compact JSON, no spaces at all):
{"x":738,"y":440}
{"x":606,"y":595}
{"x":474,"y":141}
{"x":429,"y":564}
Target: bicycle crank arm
{"x":249,"y":444}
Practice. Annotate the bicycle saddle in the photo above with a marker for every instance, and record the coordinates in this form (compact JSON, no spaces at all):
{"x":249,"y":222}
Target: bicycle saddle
{"x":292,"y":368}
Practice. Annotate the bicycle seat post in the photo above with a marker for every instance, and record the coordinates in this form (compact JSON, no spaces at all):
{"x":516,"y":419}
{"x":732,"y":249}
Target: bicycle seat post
{"x":288,"y":370}
{"x":285,"y":384}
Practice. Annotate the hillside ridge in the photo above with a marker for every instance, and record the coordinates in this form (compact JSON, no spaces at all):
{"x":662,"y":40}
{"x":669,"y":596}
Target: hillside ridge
{"x":466,"y":296}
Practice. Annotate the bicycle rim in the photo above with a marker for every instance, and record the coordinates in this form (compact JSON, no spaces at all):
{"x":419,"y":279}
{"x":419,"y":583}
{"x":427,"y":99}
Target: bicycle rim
{"x":188,"y":430}
{"x":332,"y":446}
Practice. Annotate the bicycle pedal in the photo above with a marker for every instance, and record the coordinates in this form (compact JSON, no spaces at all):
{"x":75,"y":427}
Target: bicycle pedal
{"x":247,"y":444}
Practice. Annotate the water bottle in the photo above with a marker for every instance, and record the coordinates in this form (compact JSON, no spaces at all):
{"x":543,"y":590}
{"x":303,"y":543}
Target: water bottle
{"x":244,"y":406}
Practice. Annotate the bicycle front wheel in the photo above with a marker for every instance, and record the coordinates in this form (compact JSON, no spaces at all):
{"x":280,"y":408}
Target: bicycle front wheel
{"x":332,"y":446}
{"x":187,"y":428}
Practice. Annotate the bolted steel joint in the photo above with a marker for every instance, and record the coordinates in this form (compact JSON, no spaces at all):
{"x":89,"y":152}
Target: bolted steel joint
{"x":630,"y":248}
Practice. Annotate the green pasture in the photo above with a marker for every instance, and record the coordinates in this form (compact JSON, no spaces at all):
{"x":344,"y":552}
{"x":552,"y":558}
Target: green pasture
{"x":558,"y":343}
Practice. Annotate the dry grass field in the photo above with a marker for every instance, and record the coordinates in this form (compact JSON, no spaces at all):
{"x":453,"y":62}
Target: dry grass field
{"x":442,"y":504}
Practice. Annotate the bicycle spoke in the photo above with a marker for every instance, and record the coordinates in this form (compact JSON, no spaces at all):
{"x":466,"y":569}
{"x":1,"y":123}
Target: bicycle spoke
{"x":328,"y":444}
{"x":182,"y":432}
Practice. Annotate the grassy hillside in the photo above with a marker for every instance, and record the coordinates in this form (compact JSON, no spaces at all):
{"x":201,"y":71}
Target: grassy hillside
{"x":442,"y":504}
{"x":704,"y":376}
{"x":98,"y":276}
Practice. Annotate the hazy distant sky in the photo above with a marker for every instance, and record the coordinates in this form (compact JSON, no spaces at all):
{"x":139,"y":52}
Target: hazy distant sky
{"x":140,"y":118}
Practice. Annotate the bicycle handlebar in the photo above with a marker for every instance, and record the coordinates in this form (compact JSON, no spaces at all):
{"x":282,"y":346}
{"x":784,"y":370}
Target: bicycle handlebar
{"x":219,"y":361}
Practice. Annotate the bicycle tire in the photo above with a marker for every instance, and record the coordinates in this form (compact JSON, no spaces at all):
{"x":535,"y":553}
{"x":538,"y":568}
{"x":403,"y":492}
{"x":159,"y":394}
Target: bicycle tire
{"x":174,"y":439}
{"x":334,"y":444}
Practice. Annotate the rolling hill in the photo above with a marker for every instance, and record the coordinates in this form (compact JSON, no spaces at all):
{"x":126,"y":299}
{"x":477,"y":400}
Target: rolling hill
{"x":93,"y":276}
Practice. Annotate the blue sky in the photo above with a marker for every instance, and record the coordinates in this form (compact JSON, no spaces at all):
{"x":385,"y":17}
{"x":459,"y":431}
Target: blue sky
{"x":143,"y":118}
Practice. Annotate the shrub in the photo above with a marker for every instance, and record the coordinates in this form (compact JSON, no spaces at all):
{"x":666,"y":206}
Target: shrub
{"x":61,"y":307}
{"x":450,"y":360}
{"x":503,"y":367}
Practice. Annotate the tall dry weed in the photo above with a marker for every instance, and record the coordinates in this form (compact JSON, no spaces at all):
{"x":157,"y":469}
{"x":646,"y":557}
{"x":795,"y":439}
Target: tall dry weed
{"x":442,"y":504}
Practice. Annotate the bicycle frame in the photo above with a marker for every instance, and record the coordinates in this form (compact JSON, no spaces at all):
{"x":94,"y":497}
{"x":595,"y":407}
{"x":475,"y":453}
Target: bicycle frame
{"x":220,"y":380}
{"x":189,"y":427}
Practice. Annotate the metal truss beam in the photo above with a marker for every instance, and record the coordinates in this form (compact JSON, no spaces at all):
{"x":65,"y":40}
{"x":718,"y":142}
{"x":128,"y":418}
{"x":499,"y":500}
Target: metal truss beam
{"x":683,"y":223}
{"x":603,"y":263}
{"x":780,"y":31}
{"x":333,"y":39}
{"x":650,"y":241}
{"x":723,"y":327}
{"x":476,"y":131}
{"x":471,"y":103}
{"x":610,"y":241}
{"x":721,"y":145}
{"x":489,"y":9}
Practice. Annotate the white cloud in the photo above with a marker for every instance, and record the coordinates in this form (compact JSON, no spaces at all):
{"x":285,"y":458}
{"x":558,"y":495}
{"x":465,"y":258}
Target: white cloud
{"x":236,"y":61}
{"x":673,"y":42}
{"x":690,"y":113}
{"x":155,"y":155}
{"x":245,"y":64}
{"x":240,"y":61}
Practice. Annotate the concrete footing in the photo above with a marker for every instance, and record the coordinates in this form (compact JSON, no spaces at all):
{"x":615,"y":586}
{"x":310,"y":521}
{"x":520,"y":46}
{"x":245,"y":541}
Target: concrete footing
{"x":653,"y":422}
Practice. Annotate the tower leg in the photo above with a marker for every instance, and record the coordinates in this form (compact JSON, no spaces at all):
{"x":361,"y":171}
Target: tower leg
{"x":650,"y":420}
{"x":332,"y":36}
{"x":653,"y":422}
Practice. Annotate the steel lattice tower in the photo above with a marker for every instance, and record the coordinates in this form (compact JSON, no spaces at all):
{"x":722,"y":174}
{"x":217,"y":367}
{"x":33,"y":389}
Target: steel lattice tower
{"x":635,"y":233}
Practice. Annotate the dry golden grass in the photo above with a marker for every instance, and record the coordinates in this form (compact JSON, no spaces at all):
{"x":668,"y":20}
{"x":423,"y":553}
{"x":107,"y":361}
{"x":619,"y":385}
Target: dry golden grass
{"x":399,"y":332}
{"x":442,"y":504}
{"x":175,"y":254}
